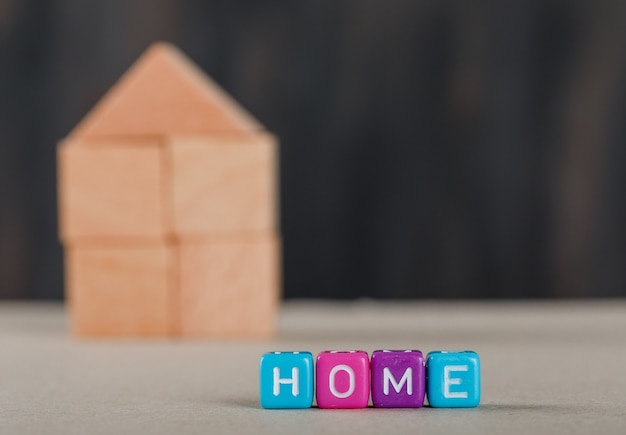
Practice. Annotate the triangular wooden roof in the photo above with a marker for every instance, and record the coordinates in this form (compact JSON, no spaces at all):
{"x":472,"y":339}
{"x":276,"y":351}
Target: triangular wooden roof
{"x":164,"y":93}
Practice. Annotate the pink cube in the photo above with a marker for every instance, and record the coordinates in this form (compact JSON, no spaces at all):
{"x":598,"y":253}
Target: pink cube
{"x":342,"y":379}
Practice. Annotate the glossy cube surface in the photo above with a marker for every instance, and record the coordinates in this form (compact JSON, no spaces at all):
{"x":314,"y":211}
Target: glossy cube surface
{"x":398,"y":378}
{"x":286,"y":380}
{"x":342,"y":379}
{"x":453,"y":379}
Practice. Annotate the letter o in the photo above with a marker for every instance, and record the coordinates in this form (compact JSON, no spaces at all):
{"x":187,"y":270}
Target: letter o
{"x":331,"y":381}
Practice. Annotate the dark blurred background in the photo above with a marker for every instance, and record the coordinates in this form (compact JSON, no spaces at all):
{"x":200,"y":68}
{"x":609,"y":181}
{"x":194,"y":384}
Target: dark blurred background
{"x":429,"y":148}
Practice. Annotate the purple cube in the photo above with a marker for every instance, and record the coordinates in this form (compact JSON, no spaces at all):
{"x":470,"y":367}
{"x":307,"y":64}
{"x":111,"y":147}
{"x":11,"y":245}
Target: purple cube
{"x":398,"y":378}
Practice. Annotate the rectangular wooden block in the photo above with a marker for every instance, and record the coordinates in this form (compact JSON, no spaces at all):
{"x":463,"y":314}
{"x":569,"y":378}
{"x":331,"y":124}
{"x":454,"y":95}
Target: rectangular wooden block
{"x":121,"y":291}
{"x":229,"y":288}
{"x":224,"y":184}
{"x":112,"y":189}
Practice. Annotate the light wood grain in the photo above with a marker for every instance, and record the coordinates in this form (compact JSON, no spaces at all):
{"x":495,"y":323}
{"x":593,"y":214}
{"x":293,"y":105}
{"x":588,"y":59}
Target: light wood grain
{"x":121,"y":291}
{"x":112,"y":189}
{"x":224,"y":183}
{"x":168,"y":209}
{"x":164,"y":93}
{"x":229,"y":288}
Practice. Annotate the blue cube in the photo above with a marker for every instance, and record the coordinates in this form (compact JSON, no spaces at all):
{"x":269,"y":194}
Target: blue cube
{"x":286,"y":380}
{"x":453,"y":379}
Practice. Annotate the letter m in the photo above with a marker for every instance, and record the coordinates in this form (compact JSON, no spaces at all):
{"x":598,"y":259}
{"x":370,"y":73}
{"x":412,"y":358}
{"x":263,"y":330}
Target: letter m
{"x":407,"y":378}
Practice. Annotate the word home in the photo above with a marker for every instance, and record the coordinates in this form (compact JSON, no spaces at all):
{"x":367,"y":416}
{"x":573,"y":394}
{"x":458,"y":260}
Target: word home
{"x":393,"y":378}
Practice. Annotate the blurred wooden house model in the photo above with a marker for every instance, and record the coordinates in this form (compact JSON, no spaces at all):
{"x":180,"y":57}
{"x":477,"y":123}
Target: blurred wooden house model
{"x":168,"y":209}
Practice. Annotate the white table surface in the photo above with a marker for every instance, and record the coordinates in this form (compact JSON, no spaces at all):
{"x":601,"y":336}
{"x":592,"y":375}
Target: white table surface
{"x":547,"y":367}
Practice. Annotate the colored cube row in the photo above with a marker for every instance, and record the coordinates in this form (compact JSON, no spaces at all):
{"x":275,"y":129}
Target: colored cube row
{"x":397,"y":379}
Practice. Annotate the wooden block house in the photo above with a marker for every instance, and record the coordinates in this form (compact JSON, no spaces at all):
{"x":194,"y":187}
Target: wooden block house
{"x":168,"y":209}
